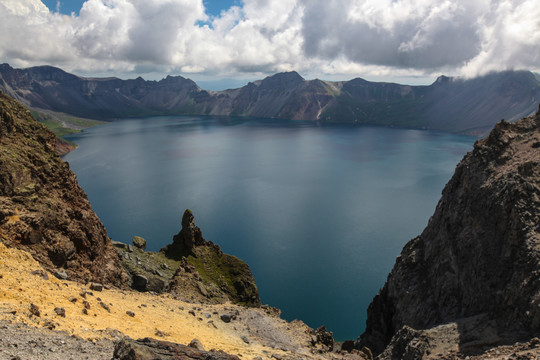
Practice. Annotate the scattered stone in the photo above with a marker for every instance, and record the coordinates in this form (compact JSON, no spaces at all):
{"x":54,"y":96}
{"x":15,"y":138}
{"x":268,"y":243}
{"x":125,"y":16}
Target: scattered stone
{"x":34,"y":310}
{"x":245,"y":339}
{"x":40,"y":273}
{"x":72,"y":299}
{"x":165,"y":266}
{"x":60,"y":311}
{"x":105,"y":306}
{"x":86,"y":304}
{"x":196,"y":344}
{"x":61,"y":274}
{"x":49,"y":325}
{"x":96,"y":287}
{"x":83,"y":294}
{"x":130,"y":313}
{"x":211,"y":322}
{"x":207,"y":315}
{"x":85,"y":311}
{"x":191,"y":312}
{"x":227,"y":317}
{"x":130,"y":248}
{"x":139,"y":242}
{"x":161,"y":333}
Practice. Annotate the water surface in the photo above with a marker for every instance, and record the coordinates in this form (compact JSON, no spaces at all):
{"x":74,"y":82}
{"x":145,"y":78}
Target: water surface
{"x":319,"y":213}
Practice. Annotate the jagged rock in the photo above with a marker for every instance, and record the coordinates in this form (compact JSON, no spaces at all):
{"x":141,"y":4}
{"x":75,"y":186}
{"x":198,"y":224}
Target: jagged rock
{"x":189,"y":236}
{"x":51,"y":216}
{"x":150,"y":349}
{"x":479,"y":253}
{"x":324,"y":337}
{"x":226,"y":278}
{"x":139,"y":242}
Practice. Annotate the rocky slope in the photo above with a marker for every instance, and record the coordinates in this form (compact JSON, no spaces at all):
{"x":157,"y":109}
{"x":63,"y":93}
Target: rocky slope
{"x":42,"y":207}
{"x":473,"y":273}
{"x":190,"y":268}
{"x":71,"y":320}
{"x":456,"y":105}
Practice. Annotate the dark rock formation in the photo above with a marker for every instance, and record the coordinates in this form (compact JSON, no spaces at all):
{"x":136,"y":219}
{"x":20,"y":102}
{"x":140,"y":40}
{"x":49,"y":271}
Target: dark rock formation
{"x":150,"y":349}
{"x":188,"y":237}
{"x":449,"y":104}
{"x":205,"y":273}
{"x":42,"y":208}
{"x":479,"y":254}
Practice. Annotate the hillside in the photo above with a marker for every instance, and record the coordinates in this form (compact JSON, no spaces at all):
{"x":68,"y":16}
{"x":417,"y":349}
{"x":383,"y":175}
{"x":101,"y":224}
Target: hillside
{"x":469,"y":106}
{"x":42,"y":207}
{"x":470,"y":280}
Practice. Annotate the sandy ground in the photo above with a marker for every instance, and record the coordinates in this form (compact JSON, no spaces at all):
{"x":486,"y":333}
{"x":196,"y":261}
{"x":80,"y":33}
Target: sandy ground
{"x":252,"y":334}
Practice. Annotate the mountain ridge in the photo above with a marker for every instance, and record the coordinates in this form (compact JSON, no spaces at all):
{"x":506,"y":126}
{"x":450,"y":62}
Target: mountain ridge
{"x":456,"y":105}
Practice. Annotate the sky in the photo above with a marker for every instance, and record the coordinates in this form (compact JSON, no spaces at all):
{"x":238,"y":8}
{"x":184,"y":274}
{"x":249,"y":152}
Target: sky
{"x":224,"y":42}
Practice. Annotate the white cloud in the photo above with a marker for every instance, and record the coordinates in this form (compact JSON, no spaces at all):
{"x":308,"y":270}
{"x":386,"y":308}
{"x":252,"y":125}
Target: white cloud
{"x":315,"y":37}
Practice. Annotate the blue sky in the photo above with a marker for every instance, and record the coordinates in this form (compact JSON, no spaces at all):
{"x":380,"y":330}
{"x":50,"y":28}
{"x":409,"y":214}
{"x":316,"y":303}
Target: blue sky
{"x":213,"y":7}
{"x":404,"y":41}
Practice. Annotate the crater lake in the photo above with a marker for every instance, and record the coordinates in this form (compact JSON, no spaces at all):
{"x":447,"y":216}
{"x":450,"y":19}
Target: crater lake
{"x":318,"y":212}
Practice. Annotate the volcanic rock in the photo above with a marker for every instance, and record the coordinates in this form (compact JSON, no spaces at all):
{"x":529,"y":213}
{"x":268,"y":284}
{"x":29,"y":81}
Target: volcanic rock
{"x":42,"y":208}
{"x":479,"y":254}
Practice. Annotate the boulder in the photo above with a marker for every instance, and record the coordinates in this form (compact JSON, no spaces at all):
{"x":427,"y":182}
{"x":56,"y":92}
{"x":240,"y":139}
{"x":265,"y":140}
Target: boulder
{"x":139,"y":242}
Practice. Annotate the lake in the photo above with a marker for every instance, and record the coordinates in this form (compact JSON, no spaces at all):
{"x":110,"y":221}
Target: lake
{"x":318,"y":212}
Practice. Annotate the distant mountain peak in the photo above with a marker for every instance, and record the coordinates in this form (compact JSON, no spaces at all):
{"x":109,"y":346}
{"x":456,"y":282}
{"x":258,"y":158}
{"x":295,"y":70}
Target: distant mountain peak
{"x":443,"y":79}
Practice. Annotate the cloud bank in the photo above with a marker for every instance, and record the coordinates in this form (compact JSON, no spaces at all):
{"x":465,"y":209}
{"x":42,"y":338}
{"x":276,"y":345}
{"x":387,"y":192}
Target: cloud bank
{"x":314,"y":37}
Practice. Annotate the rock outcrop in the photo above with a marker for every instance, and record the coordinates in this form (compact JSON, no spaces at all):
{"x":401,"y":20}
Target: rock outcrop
{"x":205,"y":273}
{"x":150,"y":349}
{"x":42,"y":208}
{"x":479,"y":256}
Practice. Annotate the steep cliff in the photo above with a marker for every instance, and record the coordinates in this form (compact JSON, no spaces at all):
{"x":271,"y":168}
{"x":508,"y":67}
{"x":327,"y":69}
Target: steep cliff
{"x":42,"y":208}
{"x":479,"y":256}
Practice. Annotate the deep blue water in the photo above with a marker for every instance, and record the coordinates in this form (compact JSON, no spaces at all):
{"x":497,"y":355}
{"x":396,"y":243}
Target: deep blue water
{"x":319,"y":213}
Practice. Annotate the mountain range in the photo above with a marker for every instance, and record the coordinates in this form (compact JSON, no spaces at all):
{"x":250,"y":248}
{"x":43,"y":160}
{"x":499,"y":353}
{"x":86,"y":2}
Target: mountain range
{"x":470,"y":106}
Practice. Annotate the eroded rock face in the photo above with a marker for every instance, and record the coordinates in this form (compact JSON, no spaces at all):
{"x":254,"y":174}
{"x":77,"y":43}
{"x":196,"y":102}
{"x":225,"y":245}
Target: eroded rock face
{"x":480,"y":253}
{"x":42,"y":208}
{"x":189,"y":236}
{"x":205,"y":273}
